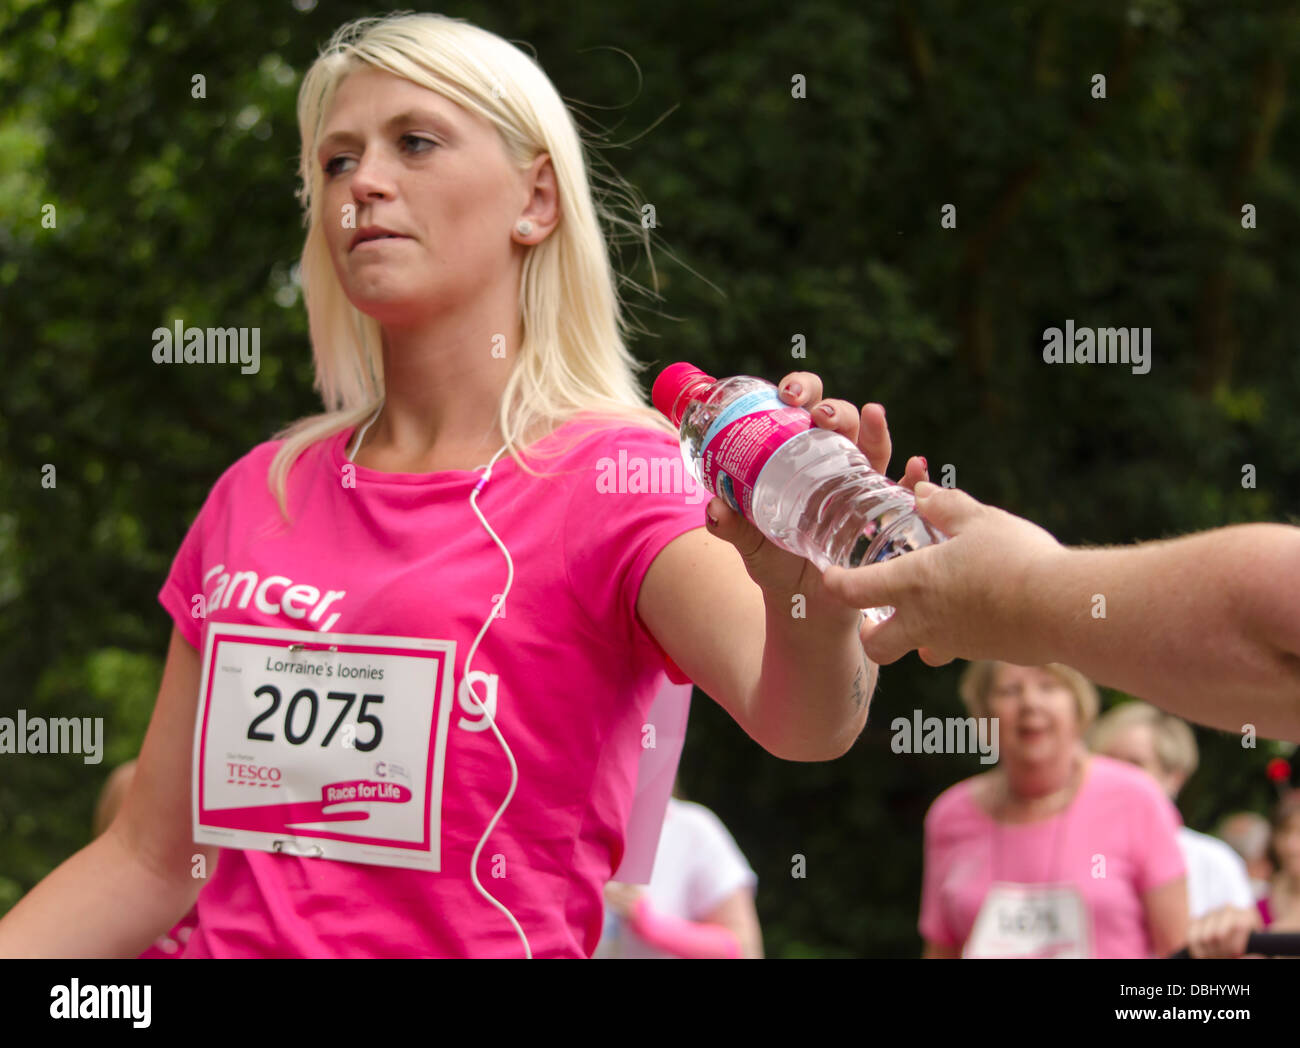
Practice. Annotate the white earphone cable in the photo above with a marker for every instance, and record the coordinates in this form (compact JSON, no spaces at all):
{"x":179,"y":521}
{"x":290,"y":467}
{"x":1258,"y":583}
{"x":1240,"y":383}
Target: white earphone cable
{"x":469,"y":686}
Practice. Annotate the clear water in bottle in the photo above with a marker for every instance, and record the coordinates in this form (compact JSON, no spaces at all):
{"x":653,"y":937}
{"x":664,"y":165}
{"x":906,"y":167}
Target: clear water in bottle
{"x":810,"y":490}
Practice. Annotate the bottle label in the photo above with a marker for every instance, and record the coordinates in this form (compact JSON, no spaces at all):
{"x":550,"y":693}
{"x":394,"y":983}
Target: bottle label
{"x":741,"y":440}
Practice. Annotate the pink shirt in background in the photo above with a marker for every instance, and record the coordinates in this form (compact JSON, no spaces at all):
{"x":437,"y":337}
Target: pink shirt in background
{"x":404,"y":555}
{"x":1119,"y":824}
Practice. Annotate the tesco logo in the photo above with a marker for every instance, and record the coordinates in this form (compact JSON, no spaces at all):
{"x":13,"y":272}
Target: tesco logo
{"x":251,"y":773}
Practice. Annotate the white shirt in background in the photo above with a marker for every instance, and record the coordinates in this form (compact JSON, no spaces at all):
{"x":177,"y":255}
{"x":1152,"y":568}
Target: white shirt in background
{"x":1216,"y":876}
{"x":697,"y":866}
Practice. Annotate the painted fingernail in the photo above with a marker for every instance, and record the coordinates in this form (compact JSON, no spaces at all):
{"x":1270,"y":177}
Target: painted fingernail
{"x":826,"y":410}
{"x":794,"y":389}
{"x":924,"y":465}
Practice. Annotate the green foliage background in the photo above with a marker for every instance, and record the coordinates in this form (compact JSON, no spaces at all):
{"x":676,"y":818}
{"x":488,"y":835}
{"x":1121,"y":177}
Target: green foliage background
{"x":817,"y":216}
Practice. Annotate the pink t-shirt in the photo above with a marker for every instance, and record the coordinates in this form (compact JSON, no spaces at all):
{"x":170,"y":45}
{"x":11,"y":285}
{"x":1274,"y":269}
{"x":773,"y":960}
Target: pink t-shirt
{"x":169,"y":946}
{"x":402,"y":554}
{"x":1116,"y":841}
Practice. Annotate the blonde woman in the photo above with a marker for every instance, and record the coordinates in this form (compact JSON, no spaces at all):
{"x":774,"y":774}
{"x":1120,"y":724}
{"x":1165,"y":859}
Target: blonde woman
{"x":1054,"y":853}
{"x":1164,"y":747}
{"x":446,"y":789}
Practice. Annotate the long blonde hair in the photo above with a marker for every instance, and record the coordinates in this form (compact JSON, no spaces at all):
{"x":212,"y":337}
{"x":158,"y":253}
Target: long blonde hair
{"x":573,"y":357}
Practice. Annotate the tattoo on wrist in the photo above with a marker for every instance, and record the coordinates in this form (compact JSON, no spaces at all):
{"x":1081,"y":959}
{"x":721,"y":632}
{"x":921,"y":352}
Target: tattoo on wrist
{"x":860,"y":686}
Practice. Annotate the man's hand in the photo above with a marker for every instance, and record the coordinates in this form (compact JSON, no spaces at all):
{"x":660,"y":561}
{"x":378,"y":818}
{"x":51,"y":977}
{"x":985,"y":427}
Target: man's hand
{"x":964,"y":598}
{"x":1183,"y":623}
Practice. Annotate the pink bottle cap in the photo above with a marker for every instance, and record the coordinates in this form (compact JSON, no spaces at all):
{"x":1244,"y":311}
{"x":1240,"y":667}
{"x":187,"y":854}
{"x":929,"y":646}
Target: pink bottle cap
{"x":669,"y":386}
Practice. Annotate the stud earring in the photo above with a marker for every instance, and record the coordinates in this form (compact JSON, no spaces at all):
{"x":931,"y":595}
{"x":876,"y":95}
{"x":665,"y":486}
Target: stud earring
{"x":524,"y":228}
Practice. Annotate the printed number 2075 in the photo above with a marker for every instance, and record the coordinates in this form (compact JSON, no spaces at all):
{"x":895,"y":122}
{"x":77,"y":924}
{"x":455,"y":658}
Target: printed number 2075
{"x":313,"y":701}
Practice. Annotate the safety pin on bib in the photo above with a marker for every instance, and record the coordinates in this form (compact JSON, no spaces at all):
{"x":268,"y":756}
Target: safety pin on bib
{"x":314,"y":851}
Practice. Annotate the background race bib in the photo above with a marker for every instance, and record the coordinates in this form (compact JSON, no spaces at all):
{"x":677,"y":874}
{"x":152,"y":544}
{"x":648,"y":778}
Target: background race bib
{"x":1031,"y":920}
{"x":322,"y":744}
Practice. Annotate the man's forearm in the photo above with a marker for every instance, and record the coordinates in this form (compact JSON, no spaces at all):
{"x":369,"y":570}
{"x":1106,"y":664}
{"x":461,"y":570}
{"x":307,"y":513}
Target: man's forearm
{"x":815,"y":686}
{"x":1203,"y":626}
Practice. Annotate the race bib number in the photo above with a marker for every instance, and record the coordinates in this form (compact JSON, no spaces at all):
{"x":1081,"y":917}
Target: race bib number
{"x":327,"y":745}
{"x":1031,"y":920}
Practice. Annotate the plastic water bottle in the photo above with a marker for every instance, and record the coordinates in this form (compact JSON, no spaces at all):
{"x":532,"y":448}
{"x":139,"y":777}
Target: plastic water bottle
{"x":810,"y":490}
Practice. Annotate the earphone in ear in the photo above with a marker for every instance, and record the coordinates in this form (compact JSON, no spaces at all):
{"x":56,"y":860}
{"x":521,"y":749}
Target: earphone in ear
{"x":362,"y":435}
